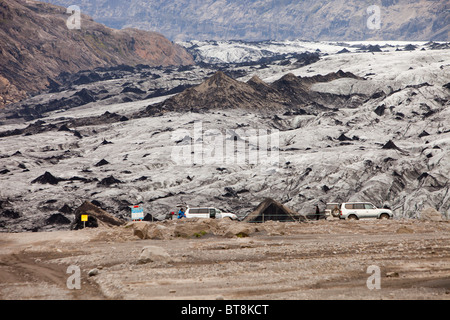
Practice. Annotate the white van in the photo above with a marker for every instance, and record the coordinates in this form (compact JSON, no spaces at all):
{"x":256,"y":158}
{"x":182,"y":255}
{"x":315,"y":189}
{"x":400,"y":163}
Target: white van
{"x":360,"y":210}
{"x":209,"y":212}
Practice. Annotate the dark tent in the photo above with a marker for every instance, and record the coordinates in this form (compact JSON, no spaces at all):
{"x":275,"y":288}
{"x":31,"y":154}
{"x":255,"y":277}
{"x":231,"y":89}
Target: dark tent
{"x":96,"y":217}
{"x":270,"y":209}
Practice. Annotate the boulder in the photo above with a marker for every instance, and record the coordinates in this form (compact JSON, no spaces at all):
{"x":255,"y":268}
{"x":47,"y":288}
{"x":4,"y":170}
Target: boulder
{"x":430,"y":214}
{"x":275,"y":228}
{"x":240,"y":230}
{"x":93,"y":272}
{"x":159,"y":232}
{"x":140,"y":229}
{"x":148,"y":230}
{"x":154,"y":254}
{"x":195,"y":227}
{"x":230,"y":229}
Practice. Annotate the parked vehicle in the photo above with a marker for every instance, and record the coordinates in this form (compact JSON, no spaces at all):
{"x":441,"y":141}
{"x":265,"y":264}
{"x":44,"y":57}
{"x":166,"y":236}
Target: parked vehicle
{"x":332,"y":209}
{"x":362,"y":210}
{"x":209,"y":212}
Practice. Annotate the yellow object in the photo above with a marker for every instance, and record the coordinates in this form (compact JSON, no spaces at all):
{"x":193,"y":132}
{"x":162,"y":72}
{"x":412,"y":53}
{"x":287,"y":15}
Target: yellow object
{"x":84,"y":217}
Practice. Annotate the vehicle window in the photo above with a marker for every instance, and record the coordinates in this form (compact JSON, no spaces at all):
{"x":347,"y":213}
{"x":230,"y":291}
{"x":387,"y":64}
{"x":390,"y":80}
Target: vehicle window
{"x":349,"y":206}
{"x":218,"y":211}
{"x":369,"y":206}
{"x":212,"y":211}
{"x":358,"y":206}
{"x":203,"y":210}
{"x":194,"y":211}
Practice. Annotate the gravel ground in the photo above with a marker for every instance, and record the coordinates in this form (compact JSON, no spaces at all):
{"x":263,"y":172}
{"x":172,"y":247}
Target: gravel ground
{"x":312,"y":260}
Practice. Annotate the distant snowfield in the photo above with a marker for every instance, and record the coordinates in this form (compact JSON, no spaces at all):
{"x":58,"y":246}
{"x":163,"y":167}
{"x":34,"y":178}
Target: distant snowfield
{"x":314,"y":166}
{"x":403,"y":67}
{"x":238,"y":51}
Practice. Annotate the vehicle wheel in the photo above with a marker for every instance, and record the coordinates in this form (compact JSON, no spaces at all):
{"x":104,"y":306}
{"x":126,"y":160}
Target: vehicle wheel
{"x":352,"y":217}
{"x":335,"y":212}
{"x":384,"y":216}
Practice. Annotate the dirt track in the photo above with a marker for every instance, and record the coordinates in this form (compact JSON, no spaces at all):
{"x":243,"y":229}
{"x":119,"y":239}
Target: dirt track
{"x":314,"y":260}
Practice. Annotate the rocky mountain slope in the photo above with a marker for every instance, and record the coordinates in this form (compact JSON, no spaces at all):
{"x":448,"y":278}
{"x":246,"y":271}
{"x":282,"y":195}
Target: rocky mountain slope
{"x":36,"y":46}
{"x":288,"y":19}
{"x":138,"y":83}
{"x":375,"y":131}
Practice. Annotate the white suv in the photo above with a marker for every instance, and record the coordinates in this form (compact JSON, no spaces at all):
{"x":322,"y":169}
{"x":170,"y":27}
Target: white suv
{"x":209,"y":212}
{"x":361,"y":210}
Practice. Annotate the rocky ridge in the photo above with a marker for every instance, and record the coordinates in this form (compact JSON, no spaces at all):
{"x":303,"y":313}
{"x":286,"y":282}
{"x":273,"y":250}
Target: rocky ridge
{"x":37,"y":46}
{"x":289,"y":93}
{"x":261,"y":20}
